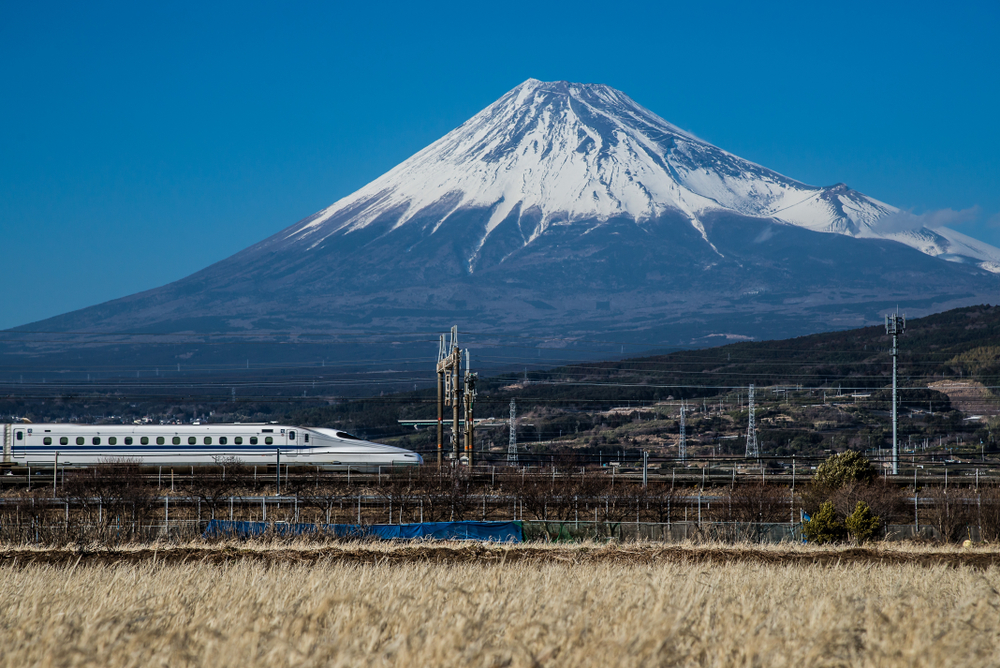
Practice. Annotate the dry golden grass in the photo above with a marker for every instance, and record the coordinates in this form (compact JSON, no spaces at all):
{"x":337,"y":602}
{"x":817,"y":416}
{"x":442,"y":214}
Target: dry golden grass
{"x":559,"y":607}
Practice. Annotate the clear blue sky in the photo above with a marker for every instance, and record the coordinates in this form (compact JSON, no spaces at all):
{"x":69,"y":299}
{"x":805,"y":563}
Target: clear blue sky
{"x":141,"y":142}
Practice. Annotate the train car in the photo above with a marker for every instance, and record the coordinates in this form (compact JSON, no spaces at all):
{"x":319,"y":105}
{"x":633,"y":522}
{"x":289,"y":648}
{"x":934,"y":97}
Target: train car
{"x":42,"y":445}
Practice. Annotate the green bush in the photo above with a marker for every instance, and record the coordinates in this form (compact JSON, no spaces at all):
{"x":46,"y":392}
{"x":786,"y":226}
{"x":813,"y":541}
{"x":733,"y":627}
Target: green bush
{"x":824,"y":527}
{"x":843,"y":468}
{"x":862,"y":524}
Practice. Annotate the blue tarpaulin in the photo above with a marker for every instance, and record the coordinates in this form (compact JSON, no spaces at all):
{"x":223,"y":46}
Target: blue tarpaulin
{"x":502,"y":532}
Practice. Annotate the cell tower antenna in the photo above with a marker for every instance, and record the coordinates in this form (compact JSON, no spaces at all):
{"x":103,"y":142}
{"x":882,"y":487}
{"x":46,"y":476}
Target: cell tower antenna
{"x":682,"y":448}
{"x":753,"y":450}
{"x":512,"y":444}
{"x":894,"y":326}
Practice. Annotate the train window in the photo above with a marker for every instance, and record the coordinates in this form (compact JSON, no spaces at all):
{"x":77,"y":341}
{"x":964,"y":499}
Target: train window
{"x":177,"y":440}
{"x":208,"y":440}
{"x":253,"y":440}
{"x":291,"y":435}
{"x":128,"y":440}
{"x":223,"y":440}
{"x":144,"y":440}
{"x":79,"y":440}
{"x":238,"y":440}
{"x":192,"y":440}
{"x":345,"y":435}
{"x":307,"y":438}
{"x":268,"y":440}
{"x":159,"y":440}
{"x":20,"y":435}
{"x":112,"y":441}
{"x":96,"y":440}
{"x":47,"y":440}
{"x":63,"y":440}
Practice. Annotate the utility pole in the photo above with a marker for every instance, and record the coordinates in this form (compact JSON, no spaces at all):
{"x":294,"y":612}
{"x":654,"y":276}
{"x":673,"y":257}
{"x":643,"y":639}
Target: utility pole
{"x":753,"y":450}
{"x":512,"y":443}
{"x":440,"y":402}
{"x":454,"y":397}
{"x":894,"y":326}
{"x":470,"y":402}
{"x":682,"y":449}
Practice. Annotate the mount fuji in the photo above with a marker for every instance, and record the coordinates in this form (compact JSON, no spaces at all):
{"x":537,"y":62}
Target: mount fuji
{"x":550,"y":155}
{"x":568,"y":212}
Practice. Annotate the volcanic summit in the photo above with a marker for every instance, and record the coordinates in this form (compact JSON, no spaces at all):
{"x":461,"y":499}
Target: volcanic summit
{"x":568,"y":211}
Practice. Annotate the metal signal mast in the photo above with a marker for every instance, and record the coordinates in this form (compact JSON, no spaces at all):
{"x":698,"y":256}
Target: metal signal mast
{"x":894,"y":326}
{"x":753,"y":450}
{"x":682,"y":449}
{"x":512,"y":444}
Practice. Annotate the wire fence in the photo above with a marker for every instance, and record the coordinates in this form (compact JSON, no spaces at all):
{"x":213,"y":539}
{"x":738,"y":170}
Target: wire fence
{"x":61,"y":521}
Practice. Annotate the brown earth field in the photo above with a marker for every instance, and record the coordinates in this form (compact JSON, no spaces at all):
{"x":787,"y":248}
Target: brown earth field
{"x":458,"y":552}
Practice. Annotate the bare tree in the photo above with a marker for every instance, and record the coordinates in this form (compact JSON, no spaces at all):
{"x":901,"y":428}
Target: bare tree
{"x":952,"y":511}
{"x":989,"y":512}
{"x":885,"y":500}
{"x":113,"y":494}
{"x":665,"y":502}
{"x":214,"y":487}
{"x":403,"y":494}
{"x":757,"y":503}
{"x":451,"y":500}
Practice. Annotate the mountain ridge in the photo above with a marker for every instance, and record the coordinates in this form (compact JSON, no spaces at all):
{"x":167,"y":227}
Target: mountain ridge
{"x":561,"y":212}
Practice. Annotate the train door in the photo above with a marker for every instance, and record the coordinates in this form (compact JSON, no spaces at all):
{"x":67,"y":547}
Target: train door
{"x":290,"y":436}
{"x":19,"y":441}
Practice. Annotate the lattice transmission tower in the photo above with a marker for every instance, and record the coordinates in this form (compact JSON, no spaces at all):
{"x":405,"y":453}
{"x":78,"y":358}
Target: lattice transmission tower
{"x":753,"y":450}
{"x":512,"y":443}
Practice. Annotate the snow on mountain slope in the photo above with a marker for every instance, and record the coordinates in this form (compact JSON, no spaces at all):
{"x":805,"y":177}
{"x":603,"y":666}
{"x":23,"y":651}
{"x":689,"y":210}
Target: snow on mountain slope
{"x":581,"y":154}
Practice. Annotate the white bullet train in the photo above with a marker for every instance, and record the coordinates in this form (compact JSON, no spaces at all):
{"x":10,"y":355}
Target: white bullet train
{"x":43,"y":445}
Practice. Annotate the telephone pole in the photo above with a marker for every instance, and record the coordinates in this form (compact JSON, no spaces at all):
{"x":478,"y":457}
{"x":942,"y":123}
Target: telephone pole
{"x":894,"y":326}
{"x":440,"y":398}
{"x":682,"y":449}
{"x":470,"y":402}
{"x":753,"y":450}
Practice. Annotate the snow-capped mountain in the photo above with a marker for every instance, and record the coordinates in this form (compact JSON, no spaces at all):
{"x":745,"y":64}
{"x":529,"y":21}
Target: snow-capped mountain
{"x":564,"y":154}
{"x":568,"y":214}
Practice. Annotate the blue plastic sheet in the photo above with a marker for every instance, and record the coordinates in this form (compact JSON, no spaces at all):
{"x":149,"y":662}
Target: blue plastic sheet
{"x":501,"y":532}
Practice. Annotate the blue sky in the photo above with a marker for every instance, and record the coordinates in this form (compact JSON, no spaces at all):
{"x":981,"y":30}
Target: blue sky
{"x":141,"y":142}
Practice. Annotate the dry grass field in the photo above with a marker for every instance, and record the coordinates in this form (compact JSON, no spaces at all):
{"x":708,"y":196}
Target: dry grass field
{"x":472,"y":605}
